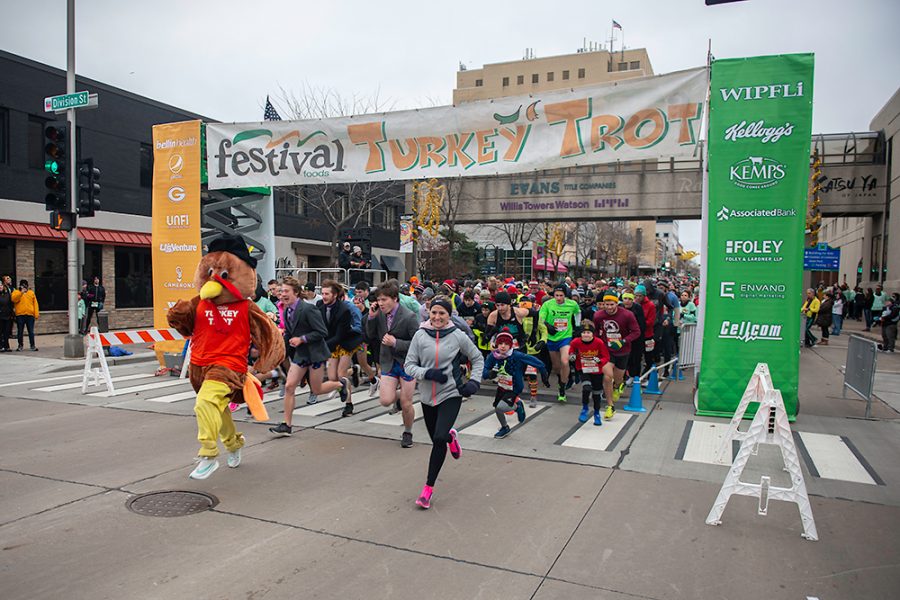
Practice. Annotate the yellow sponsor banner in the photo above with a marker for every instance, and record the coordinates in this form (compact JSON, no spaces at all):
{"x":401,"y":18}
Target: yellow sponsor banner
{"x":176,"y":215}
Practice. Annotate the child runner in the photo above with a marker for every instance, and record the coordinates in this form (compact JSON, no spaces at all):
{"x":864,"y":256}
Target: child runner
{"x":592,"y":362}
{"x":432,"y":357}
{"x":558,"y":314}
{"x":507,"y":366}
{"x":536,"y":345}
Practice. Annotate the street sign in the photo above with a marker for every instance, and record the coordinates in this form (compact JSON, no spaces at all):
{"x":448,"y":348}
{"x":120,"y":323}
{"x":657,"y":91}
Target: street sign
{"x":821,"y":258}
{"x":67,"y":101}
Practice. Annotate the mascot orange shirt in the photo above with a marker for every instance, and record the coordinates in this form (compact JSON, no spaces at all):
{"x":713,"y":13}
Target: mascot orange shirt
{"x":222,"y":323}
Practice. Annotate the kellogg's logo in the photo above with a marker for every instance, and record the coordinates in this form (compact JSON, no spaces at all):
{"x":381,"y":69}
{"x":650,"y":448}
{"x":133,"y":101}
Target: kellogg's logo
{"x":759,"y":130}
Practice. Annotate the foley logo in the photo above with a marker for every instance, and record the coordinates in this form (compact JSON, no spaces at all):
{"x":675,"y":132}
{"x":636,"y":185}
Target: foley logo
{"x":725,"y":213}
{"x":745,"y":251}
{"x":748,"y":331}
{"x":278,"y":155}
{"x":756,"y":173}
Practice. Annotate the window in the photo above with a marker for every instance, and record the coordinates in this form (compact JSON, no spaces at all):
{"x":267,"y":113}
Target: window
{"x":4,"y":136}
{"x":36,"y":143}
{"x":8,"y":258}
{"x":550,"y":76}
{"x":535,"y":78}
{"x":290,"y":203}
{"x":389,"y":214}
{"x":505,"y":81}
{"x":635,"y":64}
{"x":134,"y":278}
{"x":93,"y":263}
{"x":520,"y":79}
{"x":479,"y":82}
{"x":50,"y":281}
{"x":565,"y":75}
{"x":639,"y":239}
{"x":665,"y":235}
{"x":146,"y":165}
{"x":580,"y":73}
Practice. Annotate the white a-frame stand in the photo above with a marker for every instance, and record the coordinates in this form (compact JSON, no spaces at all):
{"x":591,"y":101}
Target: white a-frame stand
{"x":95,"y":375}
{"x":759,"y":385}
{"x":769,"y":426}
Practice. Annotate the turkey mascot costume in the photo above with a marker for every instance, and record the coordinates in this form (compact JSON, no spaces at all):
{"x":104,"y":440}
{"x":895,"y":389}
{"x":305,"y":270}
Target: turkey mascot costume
{"x":222,"y":323}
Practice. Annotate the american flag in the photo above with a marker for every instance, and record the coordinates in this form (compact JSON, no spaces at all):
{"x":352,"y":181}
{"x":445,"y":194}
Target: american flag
{"x":270,"y":114}
{"x":616,"y":25}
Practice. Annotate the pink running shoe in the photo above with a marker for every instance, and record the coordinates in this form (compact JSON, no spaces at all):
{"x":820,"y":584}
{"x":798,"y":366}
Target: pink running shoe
{"x":232,"y":406}
{"x":455,"y":448}
{"x":425,"y":497}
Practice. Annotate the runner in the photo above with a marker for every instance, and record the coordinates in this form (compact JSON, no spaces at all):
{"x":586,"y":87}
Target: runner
{"x":432,"y":356}
{"x":592,"y":363}
{"x":395,"y":326}
{"x":305,"y":334}
{"x":535,"y":345}
{"x":509,"y":317}
{"x":620,"y":329}
{"x":558,"y":314}
{"x":343,"y":341}
{"x":507,"y":366}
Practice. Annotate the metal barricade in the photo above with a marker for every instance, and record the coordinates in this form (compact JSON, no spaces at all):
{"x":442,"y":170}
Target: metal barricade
{"x":859,"y":373}
{"x":315,"y":275}
{"x":687,"y":352}
{"x":360,"y":275}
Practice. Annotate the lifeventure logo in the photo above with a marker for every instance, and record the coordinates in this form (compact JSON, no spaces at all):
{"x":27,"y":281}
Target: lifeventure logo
{"x":277,"y":155}
{"x":753,"y":250}
{"x":170,"y":248}
{"x":725,"y":213}
{"x":752,"y":291}
{"x":762,"y":92}
{"x":758,"y":129}
{"x":748,"y":331}
{"x":756,"y":173}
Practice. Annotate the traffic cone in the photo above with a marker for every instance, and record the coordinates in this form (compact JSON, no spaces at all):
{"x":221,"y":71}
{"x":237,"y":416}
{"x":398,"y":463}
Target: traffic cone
{"x":653,"y":382}
{"x":635,"y":403}
{"x":676,"y":374}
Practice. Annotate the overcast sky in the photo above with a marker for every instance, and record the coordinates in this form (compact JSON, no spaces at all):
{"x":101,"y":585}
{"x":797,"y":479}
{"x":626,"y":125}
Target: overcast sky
{"x":220,"y":58}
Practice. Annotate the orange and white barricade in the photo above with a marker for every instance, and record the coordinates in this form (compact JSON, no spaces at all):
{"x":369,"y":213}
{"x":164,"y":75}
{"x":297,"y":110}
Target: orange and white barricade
{"x":94,"y":349}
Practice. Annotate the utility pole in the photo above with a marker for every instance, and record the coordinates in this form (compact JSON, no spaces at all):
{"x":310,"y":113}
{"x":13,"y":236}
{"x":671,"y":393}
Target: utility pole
{"x":73,"y":346}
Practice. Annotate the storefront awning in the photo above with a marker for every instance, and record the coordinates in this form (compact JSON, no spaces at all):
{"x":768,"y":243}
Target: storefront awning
{"x":541,"y":264}
{"x":40,"y":231}
{"x":393,"y":264}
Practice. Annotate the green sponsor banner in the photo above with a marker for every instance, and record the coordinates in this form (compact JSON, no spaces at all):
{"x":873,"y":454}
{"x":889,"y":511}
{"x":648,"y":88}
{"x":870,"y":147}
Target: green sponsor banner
{"x":760,"y":125}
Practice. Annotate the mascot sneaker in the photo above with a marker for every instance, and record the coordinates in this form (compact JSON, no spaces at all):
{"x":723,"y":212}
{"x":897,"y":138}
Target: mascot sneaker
{"x":205,"y":467}
{"x":234,"y":459}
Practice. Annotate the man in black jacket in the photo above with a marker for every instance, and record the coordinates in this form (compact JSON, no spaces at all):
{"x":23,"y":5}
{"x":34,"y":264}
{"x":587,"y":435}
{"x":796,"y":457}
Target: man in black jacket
{"x":343,"y":340}
{"x":95,"y":296}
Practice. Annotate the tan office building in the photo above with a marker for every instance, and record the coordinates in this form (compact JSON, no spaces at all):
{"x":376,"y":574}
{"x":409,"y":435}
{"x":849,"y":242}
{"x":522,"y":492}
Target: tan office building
{"x":519,"y":77}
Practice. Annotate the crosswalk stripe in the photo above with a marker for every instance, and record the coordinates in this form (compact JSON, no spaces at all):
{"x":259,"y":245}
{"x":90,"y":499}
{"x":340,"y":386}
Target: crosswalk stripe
{"x":603,"y":438}
{"x":72,"y":386}
{"x":489,"y":425}
{"x":44,"y":380}
{"x":703,"y":441}
{"x":139,"y":388}
{"x":320,"y":408}
{"x":834,"y":459}
{"x":396,"y":418}
{"x":174,"y":397}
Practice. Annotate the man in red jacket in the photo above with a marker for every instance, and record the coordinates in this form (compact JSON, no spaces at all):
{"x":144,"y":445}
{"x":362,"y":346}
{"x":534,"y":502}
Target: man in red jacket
{"x":640,"y":297}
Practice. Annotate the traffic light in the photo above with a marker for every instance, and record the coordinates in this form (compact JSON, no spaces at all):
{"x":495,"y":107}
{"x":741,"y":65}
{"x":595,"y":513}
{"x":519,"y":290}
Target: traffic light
{"x":62,"y":221}
{"x":88,"y":188}
{"x":56,"y":156}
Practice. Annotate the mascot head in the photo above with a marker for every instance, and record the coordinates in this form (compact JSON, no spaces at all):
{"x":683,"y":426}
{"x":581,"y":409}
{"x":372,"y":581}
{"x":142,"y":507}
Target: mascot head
{"x":228,"y":272}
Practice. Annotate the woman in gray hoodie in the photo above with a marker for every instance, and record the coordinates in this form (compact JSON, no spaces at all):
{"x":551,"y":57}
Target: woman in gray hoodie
{"x":431,"y":357}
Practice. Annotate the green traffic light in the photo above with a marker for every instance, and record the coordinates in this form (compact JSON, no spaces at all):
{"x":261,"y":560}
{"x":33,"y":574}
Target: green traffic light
{"x":52,"y":166}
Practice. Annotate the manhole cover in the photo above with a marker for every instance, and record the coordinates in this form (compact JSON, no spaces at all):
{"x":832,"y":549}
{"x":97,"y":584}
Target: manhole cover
{"x":171,"y":503}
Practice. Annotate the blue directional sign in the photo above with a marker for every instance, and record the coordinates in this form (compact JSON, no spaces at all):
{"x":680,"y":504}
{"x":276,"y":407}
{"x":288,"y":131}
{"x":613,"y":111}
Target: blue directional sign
{"x":821,"y":258}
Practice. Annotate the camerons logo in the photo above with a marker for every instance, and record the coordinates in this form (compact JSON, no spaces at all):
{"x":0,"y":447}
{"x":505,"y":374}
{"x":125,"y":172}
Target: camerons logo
{"x":752,"y":291}
{"x":758,"y":129}
{"x":744,"y":251}
{"x":176,"y":193}
{"x":170,"y":248}
{"x":178,"y":221}
{"x":178,"y":273}
{"x":748,"y":331}
{"x":756,"y":173}
{"x":179,"y":283}
{"x":279,"y":155}
{"x":762,"y":92}
{"x":726,"y":213}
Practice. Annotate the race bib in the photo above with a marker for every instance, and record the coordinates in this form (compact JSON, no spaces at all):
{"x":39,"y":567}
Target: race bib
{"x":650,"y":345}
{"x":529,"y":370}
{"x":95,"y":304}
{"x":561,"y":323}
{"x":590,"y":364}
{"x":504,"y":381}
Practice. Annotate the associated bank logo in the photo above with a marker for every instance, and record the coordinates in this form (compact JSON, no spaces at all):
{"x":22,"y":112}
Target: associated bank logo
{"x":178,"y":221}
{"x":758,"y":129}
{"x":176,"y":193}
{"x":762,"y":92}
{"x":752,"y":291}
{"x":753,"y":251}
{"x":748,"y":331}
{"x":756,"y":173}
{"x":170,"y":248}
{"x":757,"y":213}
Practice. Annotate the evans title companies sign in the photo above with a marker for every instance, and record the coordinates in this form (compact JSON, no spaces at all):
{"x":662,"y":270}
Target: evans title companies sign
{"x":760,"y":117}
{"x":647,"y":118}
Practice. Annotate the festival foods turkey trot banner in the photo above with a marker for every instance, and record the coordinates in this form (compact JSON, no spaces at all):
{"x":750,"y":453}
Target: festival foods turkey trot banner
{"x":176,"y":215}
{"x":760,"y":121}
{"x":638,"y":119}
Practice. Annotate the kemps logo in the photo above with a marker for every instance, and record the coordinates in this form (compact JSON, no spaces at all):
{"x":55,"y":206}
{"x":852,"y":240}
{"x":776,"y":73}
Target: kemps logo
{"x":307,"y":155}
{"x":756,"y":173}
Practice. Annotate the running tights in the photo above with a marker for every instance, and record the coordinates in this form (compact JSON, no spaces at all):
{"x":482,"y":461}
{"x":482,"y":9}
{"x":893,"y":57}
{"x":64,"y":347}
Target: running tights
{"x":439,"y":420}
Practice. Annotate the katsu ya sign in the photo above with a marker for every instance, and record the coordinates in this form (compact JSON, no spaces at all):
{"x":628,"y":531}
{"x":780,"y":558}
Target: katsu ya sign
{"x":647,"y":118}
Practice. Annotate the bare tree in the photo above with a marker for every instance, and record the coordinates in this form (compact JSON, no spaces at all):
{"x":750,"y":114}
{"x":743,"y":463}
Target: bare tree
{"x":585,"y":238}
{"x":519,"y":236}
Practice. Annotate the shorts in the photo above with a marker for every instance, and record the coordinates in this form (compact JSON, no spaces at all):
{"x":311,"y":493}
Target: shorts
{"x":397,"y":372}
{"x":619,"y":361}
{"x":304,"y":363}
{"x":555,"y":346}
{"x":340,"y":351}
